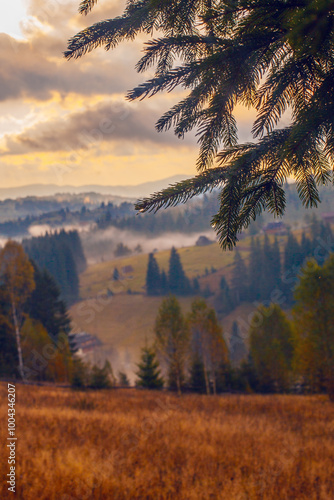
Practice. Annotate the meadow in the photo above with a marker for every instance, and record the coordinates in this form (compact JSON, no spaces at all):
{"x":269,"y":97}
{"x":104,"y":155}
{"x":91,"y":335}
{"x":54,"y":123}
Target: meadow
{"x":195,"y":259}
{"x":128,"y":444}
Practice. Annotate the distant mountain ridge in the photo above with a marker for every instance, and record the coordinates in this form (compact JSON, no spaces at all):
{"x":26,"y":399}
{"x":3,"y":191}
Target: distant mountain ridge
{"x":137,"y":191}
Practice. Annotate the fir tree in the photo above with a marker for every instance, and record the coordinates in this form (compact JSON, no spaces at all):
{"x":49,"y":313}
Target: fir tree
{"x":239,"y":279}
{"x":100,"y":378}
{"x":255,"y":270}
{"x":46,"y":306}
{"x":8,"y":351}
{"x":271,"y":348}
{"x":149,"y":373}
{"x":153,"y":278}
{"x":323,"y":243}
{"x":271,"y":269}
{"x":196,"y":286}
{"x":123,"y":379}
{"x":178,"y":283}
{"x":224,"y":302}
{"x":292,"y":261}
{"x":276,"y":267}
{"x":292,"y":254}
{"x":306,"y":246}
{"x":238,"y":350}
{"x":115,"y":275}
{"x":197,"y":376}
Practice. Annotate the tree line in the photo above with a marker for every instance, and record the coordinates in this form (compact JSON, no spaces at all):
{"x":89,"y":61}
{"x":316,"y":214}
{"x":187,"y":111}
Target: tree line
{"x":194,"y":218}
{"x":279,"y":353}
{"x":272,"y":273}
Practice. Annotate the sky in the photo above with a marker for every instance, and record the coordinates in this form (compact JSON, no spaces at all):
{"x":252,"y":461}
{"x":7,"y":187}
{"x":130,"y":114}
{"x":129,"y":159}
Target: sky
{"x":68,"y":122}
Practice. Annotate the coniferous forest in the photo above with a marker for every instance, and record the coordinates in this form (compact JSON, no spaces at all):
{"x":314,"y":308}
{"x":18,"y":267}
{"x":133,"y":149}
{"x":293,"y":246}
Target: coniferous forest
{"x":60,"y":254}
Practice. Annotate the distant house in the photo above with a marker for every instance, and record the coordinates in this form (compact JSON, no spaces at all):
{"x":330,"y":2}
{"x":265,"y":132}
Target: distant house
{"x":275,"y":228}
{"x":127,"y":270}
{"x":85,"y":342}
{"x":328,"y":217}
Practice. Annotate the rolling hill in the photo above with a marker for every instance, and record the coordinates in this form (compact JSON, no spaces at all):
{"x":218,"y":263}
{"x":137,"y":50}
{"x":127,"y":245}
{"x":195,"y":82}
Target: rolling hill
{"x":124,"y":321}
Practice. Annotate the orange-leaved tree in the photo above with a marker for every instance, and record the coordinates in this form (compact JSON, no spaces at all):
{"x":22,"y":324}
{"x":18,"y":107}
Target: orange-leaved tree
{"x":17,"y":278}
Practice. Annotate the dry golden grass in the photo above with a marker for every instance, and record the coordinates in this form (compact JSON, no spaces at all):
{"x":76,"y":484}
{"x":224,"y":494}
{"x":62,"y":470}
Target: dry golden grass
{"x":128,"y":444}
{"x":98,"y":277}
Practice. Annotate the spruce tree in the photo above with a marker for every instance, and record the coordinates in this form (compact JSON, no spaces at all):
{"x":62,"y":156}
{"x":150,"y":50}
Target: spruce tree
{"x":115,"y":274}
{"x":239,"y":279}
{"x":46,"y":306}
{"x":224,"y":302}
{"x":305,"y":246}
{"x":276,"y":267}
{"x":292,"y":263}
{"x":196,"y":286}
{"x":178,"y":282}
{"x":153,"y":278}
{"x":8,"y":351}
{"x":271,"y":348}
{"x":123,"y":380}
{"x":255,"y":270}
{"x":292,"y":254}
{"x":149,"y":373}
{"x":323,"y":243}
{"x":100,"y":378}
{"x":76,"y":246}
{"x":197,"y":375}
{"x":271,"y":269}
{"x":238,"y":350}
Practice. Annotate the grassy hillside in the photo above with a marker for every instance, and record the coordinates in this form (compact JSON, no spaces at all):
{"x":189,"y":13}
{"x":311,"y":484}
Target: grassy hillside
{"x":195,"y":260}
{"x":99,"y":277}
{"x":125,"y":321}
{"x":128,"y":444}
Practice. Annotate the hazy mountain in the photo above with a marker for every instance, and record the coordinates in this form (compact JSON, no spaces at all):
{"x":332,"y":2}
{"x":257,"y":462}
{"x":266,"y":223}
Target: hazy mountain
{"x":137,"y":191}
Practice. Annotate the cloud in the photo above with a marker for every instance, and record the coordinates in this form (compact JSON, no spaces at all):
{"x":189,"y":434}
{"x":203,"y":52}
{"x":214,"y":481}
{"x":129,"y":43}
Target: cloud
{"x":35,"y":67}
{"x":67,"y":121}
{"x":26,"y":72}
{"x":108,"y":121}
